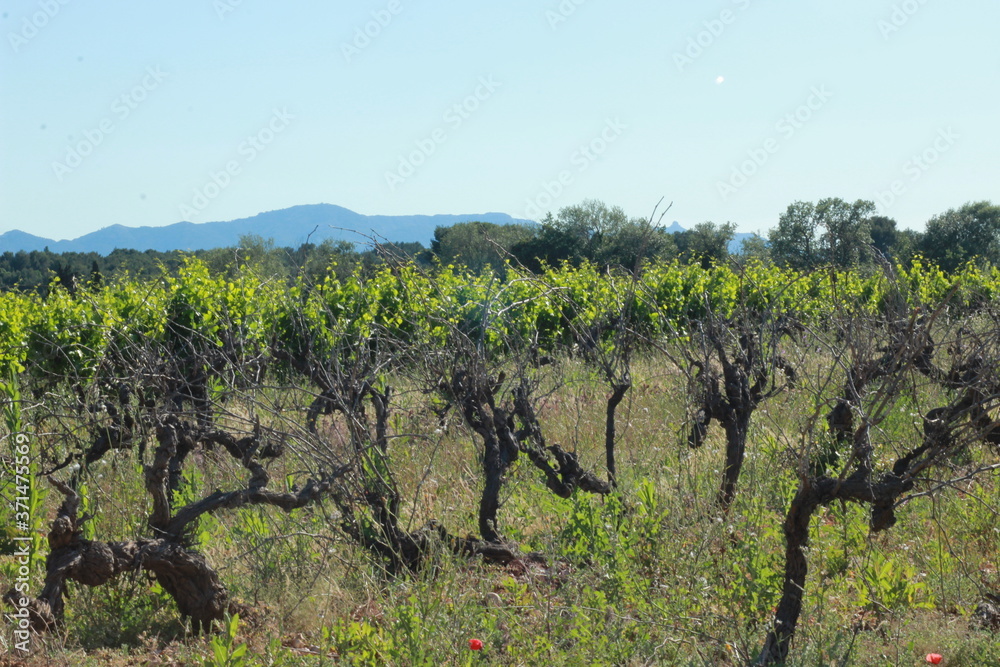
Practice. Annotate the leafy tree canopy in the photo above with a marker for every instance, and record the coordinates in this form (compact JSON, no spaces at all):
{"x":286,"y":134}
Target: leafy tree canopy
{"x":959,"y":235}
{"x":593,"y":231}
{"x":831,"y":231}
{"x":706,"y":243}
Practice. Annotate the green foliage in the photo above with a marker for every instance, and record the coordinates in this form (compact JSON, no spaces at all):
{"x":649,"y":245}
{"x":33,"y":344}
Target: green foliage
{"x":121,"y":613}
{"x":479,"y":246}
{"x":831,"y":231}
{"x":961,"y":235}
{"x":190,"y":490}
{"x":886,"y":585}
{"x":585,"y":535}
{"x":225,"y":651}
{"x":359,"y":643}
{"x":757,"y":576}
{"x":707,"y":243}
{"x":243,"y":318}
{"x":42,"y":271}
{"x":594,"y":232}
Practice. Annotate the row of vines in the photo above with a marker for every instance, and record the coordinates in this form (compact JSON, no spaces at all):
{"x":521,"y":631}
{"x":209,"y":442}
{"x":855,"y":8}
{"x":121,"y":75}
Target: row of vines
{"x":63,"y":333}
{"x":303,"y":394}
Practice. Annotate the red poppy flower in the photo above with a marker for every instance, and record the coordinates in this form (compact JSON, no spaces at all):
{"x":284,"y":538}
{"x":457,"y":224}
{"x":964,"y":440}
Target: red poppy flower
{"x":934,"y":658}
{"x":477,"y":644}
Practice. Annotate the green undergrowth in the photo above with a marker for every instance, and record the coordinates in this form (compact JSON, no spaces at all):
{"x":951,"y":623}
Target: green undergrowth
{"x":652,"y":574}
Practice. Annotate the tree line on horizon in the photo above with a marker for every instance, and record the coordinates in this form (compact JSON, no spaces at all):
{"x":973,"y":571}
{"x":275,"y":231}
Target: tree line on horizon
{"x":830,"y":232}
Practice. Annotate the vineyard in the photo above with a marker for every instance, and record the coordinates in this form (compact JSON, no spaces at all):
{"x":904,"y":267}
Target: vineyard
{"x":730,"y":465}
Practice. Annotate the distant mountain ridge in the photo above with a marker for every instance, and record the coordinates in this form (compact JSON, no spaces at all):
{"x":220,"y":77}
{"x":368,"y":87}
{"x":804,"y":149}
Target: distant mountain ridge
{"x":288,"y":227}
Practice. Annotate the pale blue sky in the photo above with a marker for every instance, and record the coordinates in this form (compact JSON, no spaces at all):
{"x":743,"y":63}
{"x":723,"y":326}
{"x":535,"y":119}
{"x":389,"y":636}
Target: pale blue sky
{"x":267,"y":89}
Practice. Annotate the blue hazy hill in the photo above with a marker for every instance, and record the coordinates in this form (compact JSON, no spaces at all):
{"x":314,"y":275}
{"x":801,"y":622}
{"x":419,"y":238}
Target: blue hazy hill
{"x":289,"y":227}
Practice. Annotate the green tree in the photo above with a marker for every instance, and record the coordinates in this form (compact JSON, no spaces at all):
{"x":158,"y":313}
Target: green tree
{"x":831,"y":231}
{"x":314,"y":261}
{"x":635,"y":241}
{"x":755,"y":247}
{"x":707,"y":243}
{"x":478,"y":245}
{"x":896,"y":245}
{"x":549,"y":245}
{"x":591,"y":221}
{"x":794,"y":242}
{"x":885,"y":235}
{"x":580,"y":231}
{"x":846,"y":231}
{"x":958,"y":235}
{"x":593,"y":231}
